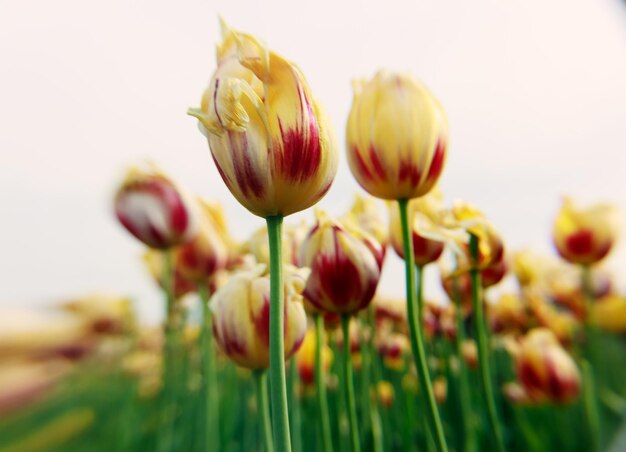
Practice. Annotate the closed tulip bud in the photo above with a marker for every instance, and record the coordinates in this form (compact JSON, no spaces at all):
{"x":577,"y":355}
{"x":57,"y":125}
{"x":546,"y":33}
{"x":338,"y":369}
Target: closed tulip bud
{"x":507,"y":314}
{"x":609,"y":313}
{"x":393,"y":309}
{"x":208,"y":252}
{"x":490,"y":245}
{"x":397,"y":137}
{"x":385,"y":393}
{"x":271,"y":142}
{"x":562,"y":323}
{"x":344,"y":270}
{"x":440,"y":389}
{"x":545,"y":370}
{"x":305,"y":358}
{"x":494,"y":273}
{"x":470,"y":353}
{"x":584,"y":236}
{"x":458,"y":287}
{"x":366,"y":214}
{"x":153,"y":209}
{"x":421,"y":213}
{"x":155,"y":261}
{"x":528,"y":267}
{"x":241,"y":316}
{"x":104,"y":314}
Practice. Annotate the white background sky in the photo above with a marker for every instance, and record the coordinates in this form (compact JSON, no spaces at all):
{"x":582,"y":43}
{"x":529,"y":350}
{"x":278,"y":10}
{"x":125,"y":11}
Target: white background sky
{"x":535,"y":93}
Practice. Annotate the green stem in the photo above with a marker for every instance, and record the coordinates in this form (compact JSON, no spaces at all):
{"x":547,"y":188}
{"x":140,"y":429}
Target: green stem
{"x":278,"y":383}
{"x":294,"y":406}
{"x":263,"y":409}
{"x":587,"y":293}
{"x":211,"y":405}
{"x":591,"y":406}
{"x":589,"y":385}
{"x":463,"y":382}
{"x":349,"y":381}
{"x":417,"y":340}
{"x":320,"y":383}
{"x":169,"y":389}
{"x":483,"y":347}
{"x":369,"y":370}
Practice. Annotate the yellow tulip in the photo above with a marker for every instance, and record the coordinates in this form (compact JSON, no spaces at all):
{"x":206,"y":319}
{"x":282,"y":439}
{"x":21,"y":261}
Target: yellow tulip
{"x":241,"y":310}
{"x":271,"y":142}
{"x":609,"y":313}
{"x":385,"y":393}
{"x":585,"y":236}
{"x":344,"y":269}
{"x":397,"y":137}
{"x":305,"y":358}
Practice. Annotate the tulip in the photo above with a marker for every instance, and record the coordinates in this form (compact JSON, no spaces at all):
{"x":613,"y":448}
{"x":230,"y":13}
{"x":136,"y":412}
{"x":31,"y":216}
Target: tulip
{"x":365,"y":213}
{"x":421,"y":211}
{"x":241,"y":316}
{"x":584,"y":236}
{"x":305,"y":358}
{"x":344,"y":270}
{"x":271,"y":142}
{"x":507,"y":314}
{"x":104,"y":314}
{"x":528,"y":267}
{"x":440,"y":387}
{"x":385,"y":393}
{"x":274,"y":149}
{"x":154,"y":210}
{"x":562,"y":323}
{"x":209,"y":252}
{"x":609,"y":313}
{"x":397,"y":137}
{"x":545,"y":370}
{"x":485,"y":250}
{"x":469,"y":352}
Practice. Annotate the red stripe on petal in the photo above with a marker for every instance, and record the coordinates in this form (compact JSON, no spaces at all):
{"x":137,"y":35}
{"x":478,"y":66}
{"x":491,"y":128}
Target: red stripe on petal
{"x":376,"y":163}
{"x":408,"y":172}
{"x":436,"y":166}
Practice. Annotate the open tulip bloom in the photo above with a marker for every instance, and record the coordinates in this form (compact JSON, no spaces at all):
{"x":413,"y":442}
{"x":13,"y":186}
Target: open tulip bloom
{"x":274,"y":148}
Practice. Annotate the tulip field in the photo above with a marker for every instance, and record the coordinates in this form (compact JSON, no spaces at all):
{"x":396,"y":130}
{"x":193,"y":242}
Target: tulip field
{"x":284,"y":341}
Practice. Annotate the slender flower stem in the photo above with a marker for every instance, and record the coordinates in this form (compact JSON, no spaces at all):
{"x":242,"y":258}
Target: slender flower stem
{"x":463,"y":382}
{"x":320,"y":384}
{"x":349,"y":382}
{"x":278,"y":383}
{"x":586,"y":285}
{"x":483,"y":347}
{"x":591,"y":406}
{"x":295,"y":409}
{"x":263,"y":409}
{"x":170,"y":389}
{"x":589,"y":385}
{"x":211,"y":406}
{"x":369,"y":369}
{"x":417,"y":340}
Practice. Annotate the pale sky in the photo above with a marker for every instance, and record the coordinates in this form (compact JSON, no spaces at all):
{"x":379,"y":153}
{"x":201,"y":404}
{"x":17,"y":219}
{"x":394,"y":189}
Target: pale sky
{"x":535,"y":93}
